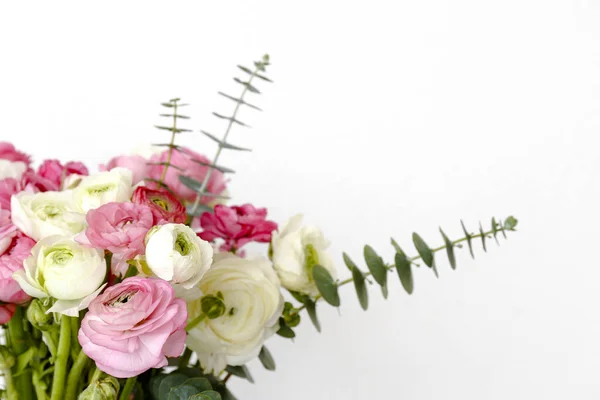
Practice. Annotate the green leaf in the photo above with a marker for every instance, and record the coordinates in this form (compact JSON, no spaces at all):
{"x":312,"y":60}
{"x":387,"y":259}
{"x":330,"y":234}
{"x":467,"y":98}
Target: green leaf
{"x":266,"y":359}
{"x":247,"y":85}
{"x":197,"y":187}
{"x":495,"y":229}
{"x":24,"y":359}
{"x":311,"y":308}
{"x":241,"y":371}
{"x":182,"y":392}
{"x":423,"y":250}
{"x":230,"y":119}
{"x":449,"y":250}
{"x":175,"y":115}
{"x":207,"y":395}
{"x":349,"y":263}
{"x":510,"y":223}
{"x":301,"y":297}
{"x":396,"y":246}
{"x":326,"y":285}
{"x":482,"y":235}
{"x":240,"y":101}
{"x":172,"y":129}
{"x":376,"y":265}
{"x":155,"y":384}
{"x":201,"y":384}
{"x":200,"y":209}
{"x":361,"y":289}
{"x":217,"y":167}
{"x":168,"y":382}
{"x":469,"y":237}
{"x":384,"y":291}
{"x":223,"y":144}
{"x":404,"y":272}
{"x":227,"y":395}
{"x":285,"y":331}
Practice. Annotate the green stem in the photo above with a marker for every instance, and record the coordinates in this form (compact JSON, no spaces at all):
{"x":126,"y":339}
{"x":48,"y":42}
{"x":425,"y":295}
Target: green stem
{"x":412,"y":259}
{"x":170,"y":153}
{"x":75,"y":375}
{"x":62,"y":359}
{"x":39,"y":386}
{"x":11,"y":390}
{"x":220,"y":148}
{"x":185,"y":358}
{"x":195,"y":322}
{"x":18,"y":343}
{"x":97,"y":375}
{"x":129,"y":384}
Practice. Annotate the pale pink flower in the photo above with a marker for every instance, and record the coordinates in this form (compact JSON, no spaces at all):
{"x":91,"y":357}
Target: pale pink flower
{"x":8,"y":152}
{"x":163,"y":204}
{"x":10,"y":262}
{"x":6,"y":312}
{"x":189,"y":163}
{"x":136,"y":164}
{"x":7,"y":230}
{"x":237,"y":225}
{"x":8,"y":187}
{"x":133,"y":326}
{"x":119,"y":228}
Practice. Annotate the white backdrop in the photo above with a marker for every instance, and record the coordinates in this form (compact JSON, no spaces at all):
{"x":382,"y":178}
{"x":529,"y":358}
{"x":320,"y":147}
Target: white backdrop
{"x":385,"y":118}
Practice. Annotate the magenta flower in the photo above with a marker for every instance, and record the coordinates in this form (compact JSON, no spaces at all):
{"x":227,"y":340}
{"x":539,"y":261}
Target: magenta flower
{"x":8,"y":152}
{"x":51,"y":174}
{"x":119,"y":228}
{"x":10,"y":262}
{"x":163,"y":204}
{"x":6,"y":312}
{"x":189,"y":163}
{"x":133,"y":326}
{"x":138,"y":165}
{"x":237,"y":225}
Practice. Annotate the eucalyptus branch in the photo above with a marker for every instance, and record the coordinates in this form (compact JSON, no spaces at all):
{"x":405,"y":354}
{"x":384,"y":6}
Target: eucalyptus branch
{"x":171,"y":142}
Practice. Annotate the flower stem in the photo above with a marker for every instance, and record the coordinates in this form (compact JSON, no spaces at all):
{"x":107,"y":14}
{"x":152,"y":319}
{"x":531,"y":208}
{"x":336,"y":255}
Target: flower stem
{"x":62,"y":359}
{"x":75,"y":375}
{"x":412,"y":259}
{"x":96,"y":376}
{"x":126,"y":392}
{"x":195,"y":322}
{"x":18,"y":343}
{"x":10,"y":388}
{"x":185,"y":358}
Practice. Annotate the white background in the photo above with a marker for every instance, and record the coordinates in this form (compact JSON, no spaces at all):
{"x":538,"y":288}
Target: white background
{"x":385,"y":118}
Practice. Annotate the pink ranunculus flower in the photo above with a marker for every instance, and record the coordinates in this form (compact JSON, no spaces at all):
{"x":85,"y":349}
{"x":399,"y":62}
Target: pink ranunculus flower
{"x":51,"y":174}
{"x":10,"y":262}
{"x":119,"y":228}
{"x":189,"y":163}
{"x":8,"y":187}
{"x":137,"y":164}
{"x":8,"y":152}
{"x":163,"y":204}
{"x":6,"y":312}
{"x":133,"y":326}
{"x":237,"y":225}
{"x":7,"y":230}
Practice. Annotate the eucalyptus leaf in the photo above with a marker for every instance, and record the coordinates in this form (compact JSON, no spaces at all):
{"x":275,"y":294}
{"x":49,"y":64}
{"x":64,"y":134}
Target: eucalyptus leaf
{"x":482,"y":235}
{"x":239,"y":101}
{"x":349,"y":263}
{"x":182,"y":392}
{"x":468,"y":237}
{"x":201,"y":384}
{"x":247,"y":85}
{"x":206,"y":395}
{"x":404,"y":272}
{"x":168,"y":382}
{"x":223,"y":144}
{"x":266,"y":359}
{"x":423,"y":250}
{"x":375,"y":265}
{"x":449,"y":250}
{"x":361,"y":290}
{"x":199,"y":210}
{"x":230,"y":119}
{"x":285,"y":331}
{"x":241,"y":371}
{"x":311,"y":309}
{"x":495,"y":229}
{"x":326,"y":285}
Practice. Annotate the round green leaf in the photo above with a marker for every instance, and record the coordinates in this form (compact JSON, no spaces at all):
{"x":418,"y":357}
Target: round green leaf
{"x":361,"y":289}
{"x":423,"y":250}
{"x":266,"y":359}
{"x":168,"y":382}
{"x":348,"y":261}
{"x":207,"y":395}
{"x":376,"y":265}
{"x":285,"y":331}
{"x":182,"y":392}
{"x":404,"y":272}
{"x":241,"y":371}
{"x":201,"y":384}
{"x":327,"y":287}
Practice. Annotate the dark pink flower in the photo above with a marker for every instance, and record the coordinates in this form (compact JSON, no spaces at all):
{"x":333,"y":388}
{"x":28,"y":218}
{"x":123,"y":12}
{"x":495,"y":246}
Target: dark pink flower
{"x":119,"y":228}
{"x":8,"y":187}
{"x":138,"y":165}
{"x":133,"y":326}
{"x":163,"y":204}
{"x":189,"y":163}
{"x":237,"y":225}
{"x":8,"y":152}
{"x":51,"y":174}
{"x":6,"y":312}
{"x":10,"y":262}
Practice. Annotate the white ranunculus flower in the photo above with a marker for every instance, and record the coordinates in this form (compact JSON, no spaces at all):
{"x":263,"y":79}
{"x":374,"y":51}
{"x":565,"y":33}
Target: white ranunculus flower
{"x":64,"y":270}
{"x":175,"y":253}
{"x":101,"y":188}
{"x":12,"y":169}
{"x":251,"y":307}
{"x":40,"y":215}
{"x":295,"y":250}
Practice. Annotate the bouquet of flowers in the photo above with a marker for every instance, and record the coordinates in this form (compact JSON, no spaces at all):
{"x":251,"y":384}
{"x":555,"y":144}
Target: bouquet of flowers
{"x":133,"y":282}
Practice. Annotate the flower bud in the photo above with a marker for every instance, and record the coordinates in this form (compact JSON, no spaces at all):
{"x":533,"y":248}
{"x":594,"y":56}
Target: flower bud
{"x":37,"y":316}
{"x":104,"y":389}
{"x":291,"y":315}
{"x":7,"y":360}
{"x":213,"y":306}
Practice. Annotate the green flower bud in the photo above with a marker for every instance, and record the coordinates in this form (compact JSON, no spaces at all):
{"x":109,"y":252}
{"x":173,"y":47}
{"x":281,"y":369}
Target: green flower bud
{"x":104,"y":389}
{"x":37,"y":316}
{"x":213,"y":306}
{"x":291,"y":315}
{"x":7,"y":360}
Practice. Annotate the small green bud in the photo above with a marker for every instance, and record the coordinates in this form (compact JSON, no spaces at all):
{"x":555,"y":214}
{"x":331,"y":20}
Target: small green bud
{"x":7,"y":360}
{"x":38,"y":316}
{"x":104,"y":389}
{"x":213,"y":306}
{"x":291,"y":315}
{"x":510,"y":223}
